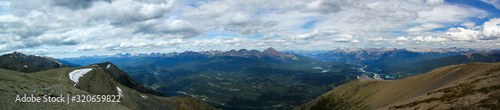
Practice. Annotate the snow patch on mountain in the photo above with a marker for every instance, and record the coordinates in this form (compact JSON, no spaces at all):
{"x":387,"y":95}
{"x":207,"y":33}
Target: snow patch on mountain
{"x":120,"y":92}
{"x":108,"y":66}
{"x":76,"y":74}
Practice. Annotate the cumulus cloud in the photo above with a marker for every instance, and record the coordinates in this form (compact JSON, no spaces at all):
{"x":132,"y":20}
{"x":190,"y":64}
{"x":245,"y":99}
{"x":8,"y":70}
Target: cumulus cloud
{"x":462,"y":34}
{"x":489,"y":31}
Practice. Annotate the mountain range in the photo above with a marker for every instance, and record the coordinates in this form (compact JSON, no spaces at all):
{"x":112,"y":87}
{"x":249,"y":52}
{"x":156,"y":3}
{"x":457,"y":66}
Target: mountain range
{"x":270,"y":54}
{"x":390,"y":55}
{"x":398,"y":63}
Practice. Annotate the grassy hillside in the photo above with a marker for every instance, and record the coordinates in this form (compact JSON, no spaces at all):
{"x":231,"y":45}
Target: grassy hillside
{"x":96,"y":82}
{"x":466,"y":86}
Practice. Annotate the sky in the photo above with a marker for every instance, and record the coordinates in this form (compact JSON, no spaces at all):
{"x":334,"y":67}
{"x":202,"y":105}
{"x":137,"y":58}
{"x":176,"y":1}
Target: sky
{"x":72,"y":28}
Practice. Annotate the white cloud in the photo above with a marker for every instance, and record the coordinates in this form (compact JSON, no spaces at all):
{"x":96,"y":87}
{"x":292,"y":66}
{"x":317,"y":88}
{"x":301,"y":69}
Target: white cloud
{"x":344,"y":38}
{"x":423,"y":28}
{"x":376,"y":39}
{"x":462,"y":34}
{"x":402,"y":38}
{"x":489,"y":31}
{"x":8,"y":18}
{"x":448,"y":13}
{"x":355,"y":41}
{"x":495,"y":3}
{"x":428,"y":39}
{"x":469,"y":25}
{"x":433,"y":2}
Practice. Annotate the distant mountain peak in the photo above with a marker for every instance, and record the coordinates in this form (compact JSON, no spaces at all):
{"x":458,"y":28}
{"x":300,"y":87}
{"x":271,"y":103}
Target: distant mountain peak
{"x":270,"y":50}
{"x":242,"y":50}
{"x":16,"y":53}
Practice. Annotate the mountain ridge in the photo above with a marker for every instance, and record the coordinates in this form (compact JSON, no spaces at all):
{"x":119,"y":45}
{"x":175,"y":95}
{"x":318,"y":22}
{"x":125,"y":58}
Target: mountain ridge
{"x":268,"y":54}
{"x":450,"y":87}
{"x":29,"y":63}
{"x":361,"y":55}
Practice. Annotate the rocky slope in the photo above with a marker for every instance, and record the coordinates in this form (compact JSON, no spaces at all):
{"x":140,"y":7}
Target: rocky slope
{"x":28,"y":63}
{"x":98,"y":79}
{"x":466,"y":86}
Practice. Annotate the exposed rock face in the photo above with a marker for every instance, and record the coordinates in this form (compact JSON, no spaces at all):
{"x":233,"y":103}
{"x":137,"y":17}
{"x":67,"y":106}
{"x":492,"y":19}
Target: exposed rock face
{"x":28,"y":63}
